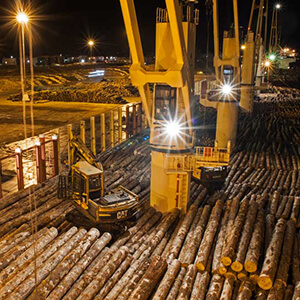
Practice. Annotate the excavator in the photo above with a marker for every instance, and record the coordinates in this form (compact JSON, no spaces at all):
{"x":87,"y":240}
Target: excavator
{"x":84,"y":186}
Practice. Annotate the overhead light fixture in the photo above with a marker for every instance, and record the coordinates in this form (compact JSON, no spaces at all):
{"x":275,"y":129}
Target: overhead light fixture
{"x":172,"y":128}
{"x":272,"y":57}
{"x":226,"y":89}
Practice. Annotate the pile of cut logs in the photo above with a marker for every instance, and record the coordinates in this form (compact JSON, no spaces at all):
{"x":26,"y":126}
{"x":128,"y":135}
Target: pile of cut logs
{"x":241,"y":242}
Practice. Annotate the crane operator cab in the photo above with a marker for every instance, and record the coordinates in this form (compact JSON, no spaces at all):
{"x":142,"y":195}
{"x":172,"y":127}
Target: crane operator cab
{"x":84,"y":186}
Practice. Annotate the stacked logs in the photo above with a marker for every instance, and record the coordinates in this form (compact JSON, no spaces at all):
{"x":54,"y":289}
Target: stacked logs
{"x":241,"y":242}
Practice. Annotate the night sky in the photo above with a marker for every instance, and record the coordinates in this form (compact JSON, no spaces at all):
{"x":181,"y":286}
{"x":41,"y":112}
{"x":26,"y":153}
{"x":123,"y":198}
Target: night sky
{"x":64,"y":25}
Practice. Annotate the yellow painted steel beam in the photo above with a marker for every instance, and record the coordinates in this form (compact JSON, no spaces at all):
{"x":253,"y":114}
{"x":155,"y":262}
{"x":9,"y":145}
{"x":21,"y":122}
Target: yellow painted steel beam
{"x":132,"y":31}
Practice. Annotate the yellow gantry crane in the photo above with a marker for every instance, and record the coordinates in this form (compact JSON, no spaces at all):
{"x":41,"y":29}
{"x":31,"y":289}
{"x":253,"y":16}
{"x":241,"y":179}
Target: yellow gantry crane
{"x":168,"y":107}
{"x":224,"y":95}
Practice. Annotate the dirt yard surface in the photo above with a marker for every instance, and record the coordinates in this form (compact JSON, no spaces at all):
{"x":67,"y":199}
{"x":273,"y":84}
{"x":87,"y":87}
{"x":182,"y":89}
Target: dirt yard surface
{"x":47,"y":116}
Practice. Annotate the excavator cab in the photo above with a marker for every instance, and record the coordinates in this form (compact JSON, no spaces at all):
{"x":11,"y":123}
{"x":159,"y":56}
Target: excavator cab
{"x":84,"y":186}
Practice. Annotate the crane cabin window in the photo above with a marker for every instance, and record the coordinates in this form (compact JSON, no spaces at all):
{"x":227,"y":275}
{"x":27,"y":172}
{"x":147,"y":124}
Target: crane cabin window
{"x":165,"y":102}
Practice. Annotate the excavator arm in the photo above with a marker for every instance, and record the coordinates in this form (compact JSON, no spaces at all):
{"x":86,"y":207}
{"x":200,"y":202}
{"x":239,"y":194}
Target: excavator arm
{"x":79,"y":151}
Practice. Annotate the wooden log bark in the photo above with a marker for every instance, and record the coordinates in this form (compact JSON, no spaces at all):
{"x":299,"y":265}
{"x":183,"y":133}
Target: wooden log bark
{"x":133,"y":282}
{"x":182,"y":232}
{"x":296,"y":263}
{"x":16,"y":251}
{"x":245,"y":292}
{"x":98,"y":282}
{"x":167,"y":281}
{"x":89,"y":274}
{"x":227,"y":290}
{"x":114,"y":279}
{"x":256,"y":244}
{"x":230,"y":247}
{"x":63,"y":268}
{"x":200,"y":286}
{"x":216,"y":267}
{"x":147,"y":284}
{"x":27,"y":286}
{"x":15,"y":237}
{"x":286,"y":253}
{"x":208,"y":237}
{"x":238,"y":264}
{"x":281,"y":207}
{"x":289,"y":292}
{"x":35,"y":249}
{"x":296,"y":210}
{"x":277,"y":291}
{"x":79,"y":268}
{"x":176,"y":285}
{"x":296,"y":295}
{"x":190,"y":235}
{"x":189,"y":255}
{"x":13,"y":283}
{"x":274,"y":202}
{"x":287,"y":210}
{"x":215,"y":287}
{"x":187,"y":283}
{"x":269,"y":268}
{"x":270,"y":224}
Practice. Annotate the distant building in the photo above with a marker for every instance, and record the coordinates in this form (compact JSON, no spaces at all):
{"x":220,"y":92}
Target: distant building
{"x":11,"y":61}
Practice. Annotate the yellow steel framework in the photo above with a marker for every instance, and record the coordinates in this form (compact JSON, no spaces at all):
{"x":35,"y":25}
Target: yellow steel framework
{"x":173,"y":72}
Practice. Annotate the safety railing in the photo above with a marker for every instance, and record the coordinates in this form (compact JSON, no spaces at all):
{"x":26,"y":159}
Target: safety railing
{"x":203,"y":157}
{"x":212,"y":154}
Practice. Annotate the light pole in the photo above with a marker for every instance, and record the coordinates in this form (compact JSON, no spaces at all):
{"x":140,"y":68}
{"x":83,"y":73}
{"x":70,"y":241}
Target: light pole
{"x":91,"y":44}
{"x":22,"y":20}
{"x":267,"y":65}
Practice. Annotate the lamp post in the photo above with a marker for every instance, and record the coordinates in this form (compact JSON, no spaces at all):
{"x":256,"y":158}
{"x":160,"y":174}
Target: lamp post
{"x":22,"y":20}
{"x":91,"y":44}
{"x":267,"y":64}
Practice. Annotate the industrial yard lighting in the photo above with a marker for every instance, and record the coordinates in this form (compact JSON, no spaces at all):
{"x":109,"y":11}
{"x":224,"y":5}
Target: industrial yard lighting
{"x":278,"y":6}
{"x":91,"y":44}
{"x":22,"y":18}
{"x":172,"y":129}
{"x":243,"y":47}
{"x":267,"y":64}
{"x":226,"y":89}
{"x":272,"y":57}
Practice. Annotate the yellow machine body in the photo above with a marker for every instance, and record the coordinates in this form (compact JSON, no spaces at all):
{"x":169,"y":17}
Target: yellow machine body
{"x":173,"y":77}
{"x":85,"y":188}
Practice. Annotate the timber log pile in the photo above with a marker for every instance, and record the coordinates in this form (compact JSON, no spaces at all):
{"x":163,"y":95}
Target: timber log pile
{"x":241,"y":242}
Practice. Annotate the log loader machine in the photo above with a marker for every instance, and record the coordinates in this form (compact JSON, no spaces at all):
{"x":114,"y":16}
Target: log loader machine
{"x":84,"y":186}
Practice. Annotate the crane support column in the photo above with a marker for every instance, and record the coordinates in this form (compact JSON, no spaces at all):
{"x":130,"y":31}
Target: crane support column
{"x":247,"y":85}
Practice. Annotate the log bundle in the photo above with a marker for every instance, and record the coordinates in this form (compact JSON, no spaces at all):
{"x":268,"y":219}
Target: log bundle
{"x":241,"y":242}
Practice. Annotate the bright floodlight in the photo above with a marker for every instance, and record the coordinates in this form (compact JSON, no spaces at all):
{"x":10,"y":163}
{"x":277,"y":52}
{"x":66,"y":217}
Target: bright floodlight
{"x":278,"y":6}
{"x":22,"y":18}
{"x":226,"y":89}
{"x":91,"y":43}
{"x":267,"y":63}
{"x":243,"y":47}
{"x":172,"y":128}
{"x":272,"y":57}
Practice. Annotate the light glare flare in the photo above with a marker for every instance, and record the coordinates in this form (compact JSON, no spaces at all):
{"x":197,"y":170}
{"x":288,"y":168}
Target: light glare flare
{"x":226,"y":89}
{"x":22,"y":18}
{"x":172,"y":129}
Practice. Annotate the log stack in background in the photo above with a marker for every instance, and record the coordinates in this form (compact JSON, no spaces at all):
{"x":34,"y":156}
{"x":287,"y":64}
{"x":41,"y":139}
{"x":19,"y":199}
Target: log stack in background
{"x":241,"y":242}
